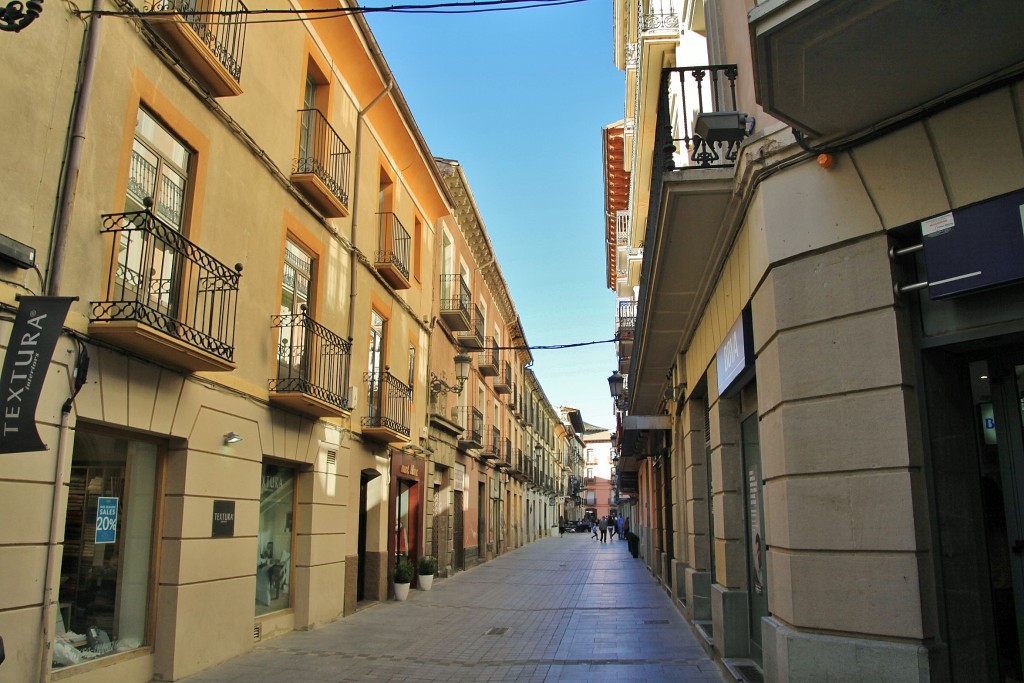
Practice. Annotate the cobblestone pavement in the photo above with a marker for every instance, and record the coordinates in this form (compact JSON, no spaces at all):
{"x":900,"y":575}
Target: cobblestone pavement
{"x":559,"y":609}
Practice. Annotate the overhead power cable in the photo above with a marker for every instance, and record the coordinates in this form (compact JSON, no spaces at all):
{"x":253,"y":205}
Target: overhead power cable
{"x":312,"y":14}
{"x":548,"y":347}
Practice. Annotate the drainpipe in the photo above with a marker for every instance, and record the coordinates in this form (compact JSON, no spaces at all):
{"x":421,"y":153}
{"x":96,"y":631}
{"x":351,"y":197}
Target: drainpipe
{"x":69,"y":179}
{"x":81,"y":371}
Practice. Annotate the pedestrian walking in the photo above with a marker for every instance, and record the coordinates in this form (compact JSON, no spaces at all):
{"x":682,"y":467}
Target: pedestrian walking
{"x":593,"y":529}
{"x":603,"y":526}
{"x":619,"y":523}
{"x":613,"y":530}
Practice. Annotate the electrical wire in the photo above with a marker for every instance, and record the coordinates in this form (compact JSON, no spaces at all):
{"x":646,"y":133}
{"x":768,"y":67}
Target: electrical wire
{"x":547,"y":347}
{"x":474,"y":7}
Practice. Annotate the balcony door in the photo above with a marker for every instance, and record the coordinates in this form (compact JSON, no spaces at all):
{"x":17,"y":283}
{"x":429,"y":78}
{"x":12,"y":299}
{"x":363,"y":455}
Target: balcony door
{"x":292,"y":342}
{"x":159,"y":175}
{"x":375,"y":365}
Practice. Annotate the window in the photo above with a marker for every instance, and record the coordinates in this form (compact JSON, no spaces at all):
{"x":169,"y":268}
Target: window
{"x":108,"y":547}
{"x":375,"y":364}
{"x":273,"y":561}
{"x":591,"y":458}
{"x":295,"y":300}
{"x":159,"y":174}
{"x":412,"y":369}
{"x":159,"y":171}
{"x":306,"y":122}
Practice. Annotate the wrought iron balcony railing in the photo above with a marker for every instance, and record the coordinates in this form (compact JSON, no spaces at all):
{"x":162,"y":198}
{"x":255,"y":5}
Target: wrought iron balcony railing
{"x":505,"y":452}
{"x":387,"y":403}
{"x":626,"y":317}
{"x":492,"y":443}
{"x":473,"y":336}
{"x":456,"y":303}
{"x":311,"y":360}
{"x":323,"y":156}
{"x":220,"y":27}
{"x":472,"y":421}
{"x":159,"y":279}
{"x":503,"y":381}
{"x":687,"y":93}
{"x":487,"y":362}
{"x":394,"y":250}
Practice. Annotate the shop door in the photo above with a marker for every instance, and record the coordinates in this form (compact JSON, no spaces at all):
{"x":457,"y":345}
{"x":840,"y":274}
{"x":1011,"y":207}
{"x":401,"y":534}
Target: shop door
{"x":458,"y":532}
{"x":757,"y":588}
{"x":1003,"y":509}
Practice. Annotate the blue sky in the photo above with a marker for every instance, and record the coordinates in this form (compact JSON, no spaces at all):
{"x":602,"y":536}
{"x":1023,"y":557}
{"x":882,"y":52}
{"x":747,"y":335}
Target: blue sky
{"x":519,"y":98}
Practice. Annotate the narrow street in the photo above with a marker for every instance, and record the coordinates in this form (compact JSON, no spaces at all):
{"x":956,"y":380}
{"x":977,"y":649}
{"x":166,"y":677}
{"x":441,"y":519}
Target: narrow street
{"x":561,"y":609}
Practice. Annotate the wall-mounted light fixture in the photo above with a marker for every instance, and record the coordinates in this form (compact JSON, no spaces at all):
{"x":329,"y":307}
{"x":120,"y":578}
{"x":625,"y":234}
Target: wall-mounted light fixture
{"x":462,"y":363}
{"x":232,"y":437}
{"x":615,"y":386}
{"x":16,"y":16}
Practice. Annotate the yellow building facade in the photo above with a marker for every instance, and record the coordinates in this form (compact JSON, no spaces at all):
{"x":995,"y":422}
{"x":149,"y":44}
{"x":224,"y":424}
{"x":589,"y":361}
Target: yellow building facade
{"x":238,"y":424}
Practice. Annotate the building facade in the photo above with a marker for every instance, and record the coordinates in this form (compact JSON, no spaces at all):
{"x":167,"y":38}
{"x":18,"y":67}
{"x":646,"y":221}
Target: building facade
{"x":239,"y":432}
{"x":821,"y":414}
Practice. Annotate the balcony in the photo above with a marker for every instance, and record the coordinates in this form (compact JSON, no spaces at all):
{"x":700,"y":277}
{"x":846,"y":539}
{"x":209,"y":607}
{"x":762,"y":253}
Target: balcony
{"x":387,"y":408}
{"x":473,"y":338}
{"x":504,"y":453}
{"x":312,"y":367}
{"x":321,"y":171}
{"x":456,"y":306}
{"x":487,"y":362}
{"x":394,"y":250}
{"x":687,"y":240}
{"x":491,"y":449}
{"x":503,"y":381}
{"x":166,"y":298}
{"x":516,"y":468}
{"x":625,"y":322}
{"x":809,"y":54}
{"x":208,"y":36}
{"x":472,"y":422}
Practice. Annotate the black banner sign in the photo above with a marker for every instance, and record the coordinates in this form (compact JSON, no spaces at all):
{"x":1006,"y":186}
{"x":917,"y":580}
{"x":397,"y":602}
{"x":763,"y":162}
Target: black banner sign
{"x":37,"y":327}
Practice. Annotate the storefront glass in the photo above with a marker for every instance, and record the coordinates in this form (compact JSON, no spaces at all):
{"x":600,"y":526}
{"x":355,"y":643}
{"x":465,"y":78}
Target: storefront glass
{"x":108,"y":543}
{"x":273,"y":562}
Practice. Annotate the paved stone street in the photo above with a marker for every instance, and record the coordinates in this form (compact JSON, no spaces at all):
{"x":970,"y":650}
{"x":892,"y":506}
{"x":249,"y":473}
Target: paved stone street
{"x":560,"y":609}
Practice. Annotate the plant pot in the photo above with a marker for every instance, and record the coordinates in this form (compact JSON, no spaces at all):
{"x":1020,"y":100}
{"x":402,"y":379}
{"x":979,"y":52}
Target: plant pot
{"x":401,"y":591}
{"x":425,"y":581}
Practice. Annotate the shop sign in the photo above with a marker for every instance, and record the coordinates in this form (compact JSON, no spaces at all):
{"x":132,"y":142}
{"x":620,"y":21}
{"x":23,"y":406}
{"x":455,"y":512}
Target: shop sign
{"x":975,"y":247}
{"x":410,"y":470}
{"x":736,"y":354}
{"x":106,"y":520}
{"x":37,"y":327}
{"x":223,"y":518}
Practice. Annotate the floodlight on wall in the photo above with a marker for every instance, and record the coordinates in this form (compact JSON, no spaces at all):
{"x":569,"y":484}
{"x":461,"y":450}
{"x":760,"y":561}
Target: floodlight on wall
{"x":722,"y":126}
{"x":232,"y":437}
{"x":462,"y":363}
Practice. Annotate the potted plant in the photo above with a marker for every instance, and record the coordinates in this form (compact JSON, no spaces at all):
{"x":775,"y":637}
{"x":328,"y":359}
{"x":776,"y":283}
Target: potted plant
{"x":427,"y":568}
{"x":402,"y":578}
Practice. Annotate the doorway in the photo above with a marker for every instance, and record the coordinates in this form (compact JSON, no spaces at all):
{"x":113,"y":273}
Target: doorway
{"x":976,"y":430}
{"x":458,"y":534}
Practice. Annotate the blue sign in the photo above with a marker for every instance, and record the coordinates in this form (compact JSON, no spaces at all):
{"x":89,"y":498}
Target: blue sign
{"x":975,"y":247}
{"x":106,"y":520}
{"x":736,"y":354}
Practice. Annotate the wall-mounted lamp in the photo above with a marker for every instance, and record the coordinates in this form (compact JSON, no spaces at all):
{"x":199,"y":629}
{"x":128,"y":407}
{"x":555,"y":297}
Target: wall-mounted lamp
{"x":615,"y":385}
{"x":462,"y":363}
{"x":16,"y":16}
{"x":232,"y":437}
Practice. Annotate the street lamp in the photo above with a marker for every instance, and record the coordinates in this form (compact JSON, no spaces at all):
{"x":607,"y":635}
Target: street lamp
{"x":615,"y":386}
{"x":462,"y":363}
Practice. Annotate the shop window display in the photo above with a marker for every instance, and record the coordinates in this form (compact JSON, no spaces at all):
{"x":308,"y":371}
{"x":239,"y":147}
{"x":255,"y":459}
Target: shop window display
{"x":108,"y":543}
{"x":273,"y":561}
